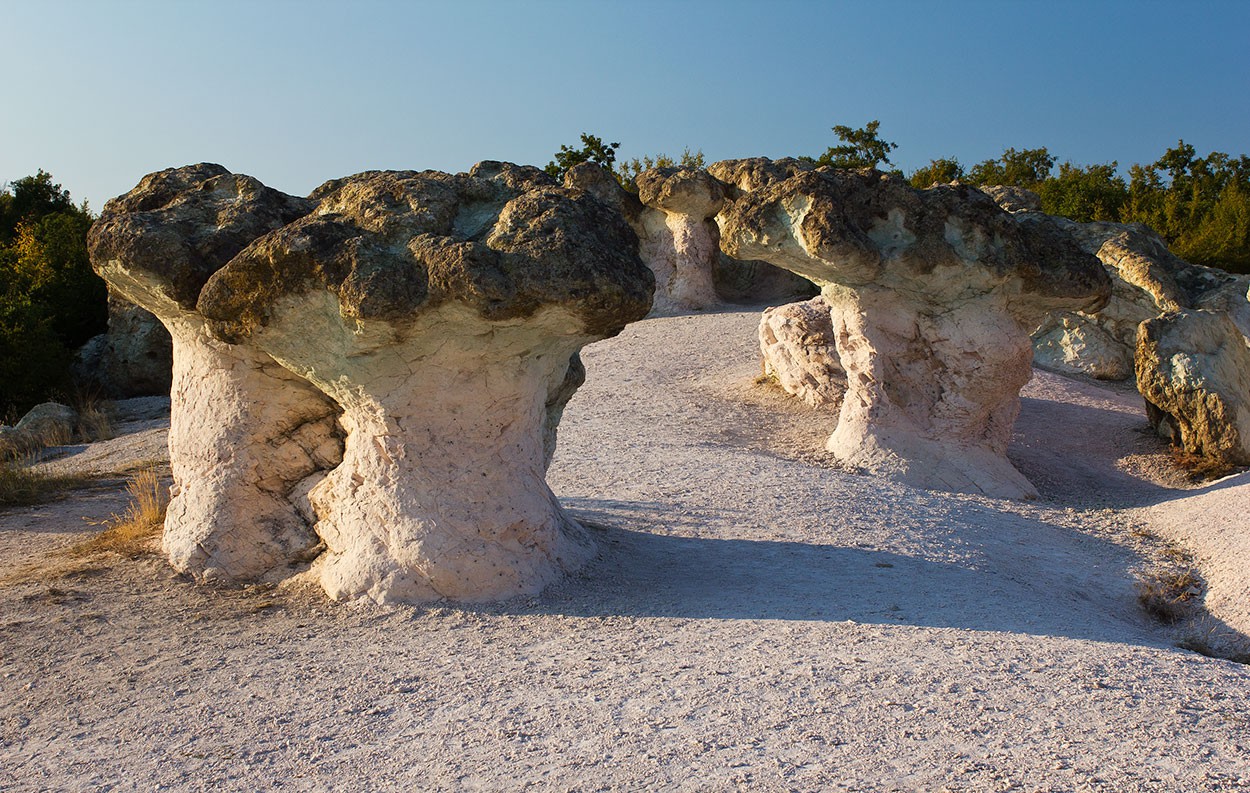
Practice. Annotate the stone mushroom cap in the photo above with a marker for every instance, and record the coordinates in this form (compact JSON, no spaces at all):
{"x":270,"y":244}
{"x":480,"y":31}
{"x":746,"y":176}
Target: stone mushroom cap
{"x":502,"y":240}
{"x":177,"y":227}
{"x":949,"y":242}
{"x":750,"y":174}
{"x":685,"y":191}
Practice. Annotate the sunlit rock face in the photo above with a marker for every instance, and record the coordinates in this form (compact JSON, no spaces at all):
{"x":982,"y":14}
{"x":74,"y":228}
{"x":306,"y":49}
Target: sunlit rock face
{"x":246,"y":436}
{"x":1193,"y":369}
{"x":799,"y":350}
{"x":932,"y":295}
{"x":442,"y":314}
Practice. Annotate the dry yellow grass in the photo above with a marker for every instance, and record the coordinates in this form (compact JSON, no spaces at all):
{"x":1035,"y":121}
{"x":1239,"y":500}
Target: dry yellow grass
{"x":23,"y":482}
{"x":132,"y":532}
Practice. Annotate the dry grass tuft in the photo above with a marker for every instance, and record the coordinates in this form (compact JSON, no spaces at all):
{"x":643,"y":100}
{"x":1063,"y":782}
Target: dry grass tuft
{"x":1169,"y":595}
{"x":1198,"y":468}
{"x":22,"y":482}
{"x":131,"y":533}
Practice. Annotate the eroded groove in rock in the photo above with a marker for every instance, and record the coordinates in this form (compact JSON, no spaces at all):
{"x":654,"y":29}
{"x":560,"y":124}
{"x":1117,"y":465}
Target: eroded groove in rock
{"x":442,"y":313}
{"x":932,"y":296}
{"x":244,"y":432}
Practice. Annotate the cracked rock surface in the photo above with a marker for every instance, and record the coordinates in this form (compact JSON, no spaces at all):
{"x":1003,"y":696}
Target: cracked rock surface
{"x":932,"y":296}
{"x":1193,"y":369}
{"x":443,"y":314}
{"x":246,"y":435}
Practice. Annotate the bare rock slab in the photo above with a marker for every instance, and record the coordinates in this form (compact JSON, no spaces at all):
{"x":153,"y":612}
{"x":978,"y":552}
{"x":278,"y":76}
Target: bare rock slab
{"x":932,"y":296}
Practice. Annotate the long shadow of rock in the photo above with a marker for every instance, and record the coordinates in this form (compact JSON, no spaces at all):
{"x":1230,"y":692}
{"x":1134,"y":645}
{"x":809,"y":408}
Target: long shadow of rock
{"x":642,"y":572}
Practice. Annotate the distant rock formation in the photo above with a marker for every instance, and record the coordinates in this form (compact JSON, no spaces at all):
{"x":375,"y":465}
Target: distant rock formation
{"x":674,"y":215}
{"x":932,"y":296}
{"x":134,"y":357}
{"x":1193,"y":369}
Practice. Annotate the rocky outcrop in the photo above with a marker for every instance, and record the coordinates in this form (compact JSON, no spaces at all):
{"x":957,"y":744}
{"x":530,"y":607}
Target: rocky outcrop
{"x":46,"y":424}
{"x":133,"y":358}
{"x":246,"y":436}
{"x":442,"y":314}
{"x":932,"y":296}
{"x":799,"y":350}
{"x":1193,"y":369}
{"x":1147,"y":279}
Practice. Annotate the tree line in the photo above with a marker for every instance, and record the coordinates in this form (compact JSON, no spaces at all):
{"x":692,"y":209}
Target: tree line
{"x":1199,"y":205}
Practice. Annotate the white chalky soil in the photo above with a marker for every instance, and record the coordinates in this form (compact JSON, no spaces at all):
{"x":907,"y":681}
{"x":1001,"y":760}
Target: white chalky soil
{"x":755,"y":619}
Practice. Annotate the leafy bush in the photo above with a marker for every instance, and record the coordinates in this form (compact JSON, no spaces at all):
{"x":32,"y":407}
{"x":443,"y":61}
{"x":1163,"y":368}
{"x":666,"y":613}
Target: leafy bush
{"x":50,"y":300}
{"x":593,"y":150}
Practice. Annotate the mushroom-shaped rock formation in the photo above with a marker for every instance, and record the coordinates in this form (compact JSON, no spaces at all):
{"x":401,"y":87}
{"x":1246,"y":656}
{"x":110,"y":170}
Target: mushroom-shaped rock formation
{"x":800,"y":350}
{"x":1193,"y":369}
{"x":246,"y":436}
{"x":753,"y":280}
{"x":679,"y":240}
{"x":442,"y":313}
{"x":932,"y":295}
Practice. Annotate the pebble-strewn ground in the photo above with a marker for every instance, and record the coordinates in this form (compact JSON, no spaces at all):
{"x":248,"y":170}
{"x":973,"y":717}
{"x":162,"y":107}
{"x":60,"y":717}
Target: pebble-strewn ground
{"x":756,"y":620}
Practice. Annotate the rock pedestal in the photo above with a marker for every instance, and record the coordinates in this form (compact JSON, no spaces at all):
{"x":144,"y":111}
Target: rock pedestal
{"x":245,"y":435}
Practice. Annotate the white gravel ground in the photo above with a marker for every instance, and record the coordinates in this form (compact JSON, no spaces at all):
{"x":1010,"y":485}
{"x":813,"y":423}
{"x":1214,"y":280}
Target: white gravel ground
{"x":756,"y":619}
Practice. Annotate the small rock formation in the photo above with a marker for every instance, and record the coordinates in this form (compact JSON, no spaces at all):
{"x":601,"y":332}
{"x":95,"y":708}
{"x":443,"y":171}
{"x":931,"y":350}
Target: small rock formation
{"x":46,"y":424}
{"x":247,"y":438}
{"x":679,"y":240}
{"x":1193,"y":369}
{"x":932,"y":296}
{"x":1014,"y":199}
{"x":442,"y":314}
{"x":799,"y":349}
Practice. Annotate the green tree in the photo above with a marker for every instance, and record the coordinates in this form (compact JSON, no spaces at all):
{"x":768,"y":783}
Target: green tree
{"x":1023,"y":168}
{"x":50,"y":300}
{"x":943,"y":170}
{"x":860,"y":148}
{"x":593,"y":150}
{"x":1084,"y":193}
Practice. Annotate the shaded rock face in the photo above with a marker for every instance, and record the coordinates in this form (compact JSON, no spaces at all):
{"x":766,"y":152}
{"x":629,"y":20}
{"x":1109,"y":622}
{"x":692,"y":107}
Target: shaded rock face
{"x":799,"y":349}
{"x":245,"y":434}
{"x":932,"y":295}
{"x":133,"y":358}
{"x":1193,"y":369}
{"x":447,"y":311}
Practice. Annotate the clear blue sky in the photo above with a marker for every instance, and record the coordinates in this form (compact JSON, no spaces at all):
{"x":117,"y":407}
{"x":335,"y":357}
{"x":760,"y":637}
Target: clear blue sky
{"x":294,"y":93}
